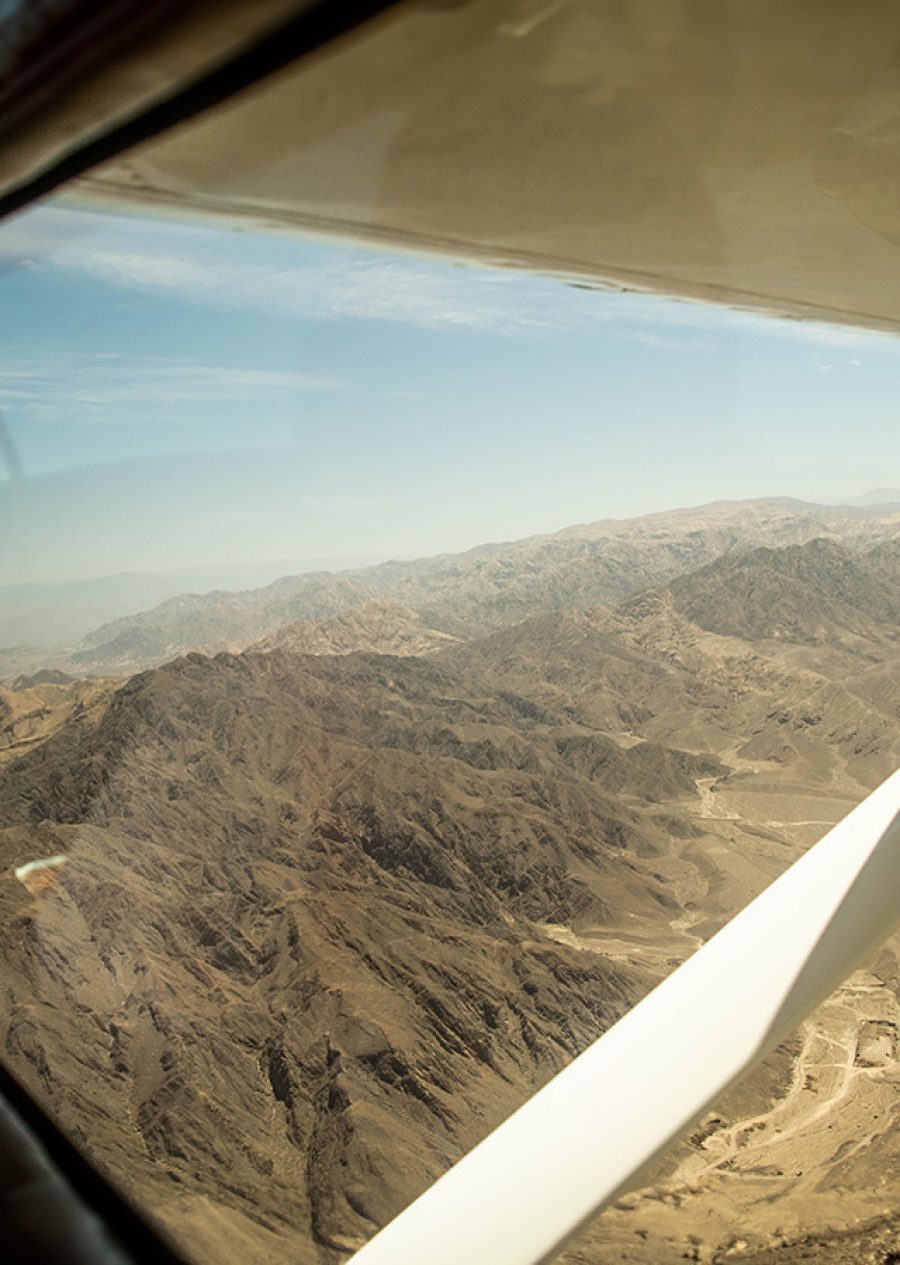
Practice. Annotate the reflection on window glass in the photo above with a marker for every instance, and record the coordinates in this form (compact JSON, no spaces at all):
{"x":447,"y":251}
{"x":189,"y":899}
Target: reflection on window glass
{"x":403,"y":667}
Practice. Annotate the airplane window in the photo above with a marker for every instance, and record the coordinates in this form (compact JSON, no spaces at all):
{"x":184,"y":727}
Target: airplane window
{"x":403,"y":667}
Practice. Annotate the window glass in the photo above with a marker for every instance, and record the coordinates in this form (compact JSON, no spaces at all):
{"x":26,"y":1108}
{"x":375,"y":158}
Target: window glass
{"x":404,"y":667}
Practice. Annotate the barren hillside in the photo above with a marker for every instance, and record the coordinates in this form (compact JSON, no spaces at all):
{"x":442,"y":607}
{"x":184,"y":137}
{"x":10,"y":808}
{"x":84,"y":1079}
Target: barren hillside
{"x":325,"y":918}
{"x":489,"y":587}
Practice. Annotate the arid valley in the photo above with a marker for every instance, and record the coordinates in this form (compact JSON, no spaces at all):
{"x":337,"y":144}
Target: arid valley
{"x":343,"y":868}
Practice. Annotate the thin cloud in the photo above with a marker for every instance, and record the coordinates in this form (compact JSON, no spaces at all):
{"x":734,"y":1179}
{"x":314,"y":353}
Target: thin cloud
{"x":67,"y":385}
{"x":646,"y":317}
{"x":305,"y":281}
{"x":336,"y":289}
{"x":310,"y":281}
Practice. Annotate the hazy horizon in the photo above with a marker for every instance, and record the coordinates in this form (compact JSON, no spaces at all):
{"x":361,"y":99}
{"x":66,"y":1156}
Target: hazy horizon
{"x":298,"y":566}
{"x":186,"y":397}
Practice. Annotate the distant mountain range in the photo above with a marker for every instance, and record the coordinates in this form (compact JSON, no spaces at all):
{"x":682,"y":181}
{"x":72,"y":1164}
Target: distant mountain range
{"x":336,"y":902}
{"x":468,"y":594}
{"x":60,"y":613}
{"x":878,"y":496}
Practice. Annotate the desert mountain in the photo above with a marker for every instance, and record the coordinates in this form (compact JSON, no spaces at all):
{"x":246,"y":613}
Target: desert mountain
{"x":44,"y":614}
{"x":377,"y":627}
{"x":327,"y":915}
{"x":299,"y":928}
{"x":804,"y":594}
{"x":492,"y":586}
{"x":35,"y":707}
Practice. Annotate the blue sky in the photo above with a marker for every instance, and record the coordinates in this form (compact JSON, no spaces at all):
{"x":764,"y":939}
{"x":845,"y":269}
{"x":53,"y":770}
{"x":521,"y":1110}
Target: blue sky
{"x":184,"y":394}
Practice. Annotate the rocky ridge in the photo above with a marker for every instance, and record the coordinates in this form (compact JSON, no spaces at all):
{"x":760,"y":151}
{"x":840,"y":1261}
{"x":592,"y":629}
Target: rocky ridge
{"x":328,"y":914}
{"x":492,"y":586}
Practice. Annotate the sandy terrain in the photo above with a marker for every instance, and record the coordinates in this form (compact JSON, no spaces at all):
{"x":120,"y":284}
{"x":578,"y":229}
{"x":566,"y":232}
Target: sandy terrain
{"x":752,"y":1179}
{"x":327,"y":918}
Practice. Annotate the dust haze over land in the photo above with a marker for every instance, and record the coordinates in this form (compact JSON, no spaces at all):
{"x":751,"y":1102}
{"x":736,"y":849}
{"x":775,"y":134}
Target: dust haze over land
{"x":466,"y":594}
{"x":341,"y":895}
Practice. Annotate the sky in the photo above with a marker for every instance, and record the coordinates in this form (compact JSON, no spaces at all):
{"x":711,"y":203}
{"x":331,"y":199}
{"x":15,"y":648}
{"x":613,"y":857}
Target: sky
{"x":182,"y":394}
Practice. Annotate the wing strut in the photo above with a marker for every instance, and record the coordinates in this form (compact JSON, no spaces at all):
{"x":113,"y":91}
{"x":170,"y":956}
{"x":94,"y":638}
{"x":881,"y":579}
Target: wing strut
{"x":589,"y":1135}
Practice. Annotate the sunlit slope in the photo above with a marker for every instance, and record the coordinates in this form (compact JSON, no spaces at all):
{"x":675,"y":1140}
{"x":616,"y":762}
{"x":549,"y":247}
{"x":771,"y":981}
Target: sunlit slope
{"x":378,"y":626}
{"x":492,"y":586}
{"x":327,"y":917}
